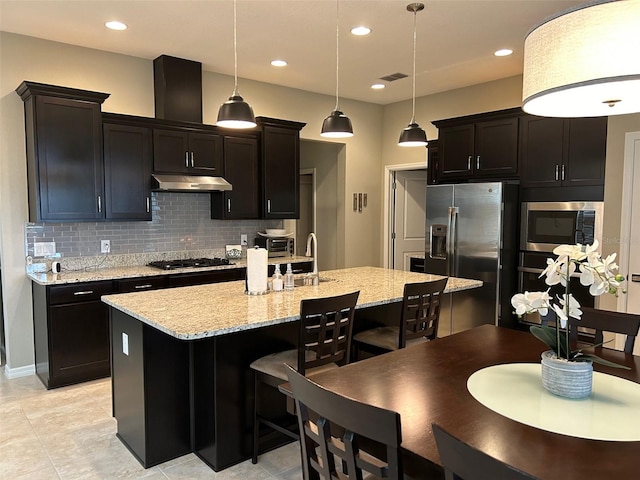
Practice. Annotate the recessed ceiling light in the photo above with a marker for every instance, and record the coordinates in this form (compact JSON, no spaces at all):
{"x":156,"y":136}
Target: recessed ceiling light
{"x":279,"y":63}
{"x":503,"y":52}
{"x":115,"y":25}
{"x":361,"y":30}
{"x":378,"y":86}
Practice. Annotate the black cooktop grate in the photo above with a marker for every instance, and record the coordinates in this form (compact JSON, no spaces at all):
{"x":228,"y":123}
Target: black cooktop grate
{"x":189,"y":263}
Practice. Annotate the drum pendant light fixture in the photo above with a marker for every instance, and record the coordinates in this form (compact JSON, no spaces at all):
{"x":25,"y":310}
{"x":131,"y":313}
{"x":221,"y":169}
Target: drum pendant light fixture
{"x":584,"y":62}
{"x":337,"y":124}
{"x":413,"y":135}
{"x":235,"y":112}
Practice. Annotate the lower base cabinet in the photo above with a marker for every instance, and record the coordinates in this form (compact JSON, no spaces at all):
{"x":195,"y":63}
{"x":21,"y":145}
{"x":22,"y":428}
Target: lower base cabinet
{"x":71,"y":332}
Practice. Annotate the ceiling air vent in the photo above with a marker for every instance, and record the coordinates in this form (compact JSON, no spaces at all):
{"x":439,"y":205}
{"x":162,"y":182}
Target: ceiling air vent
{"x":393,"y":77}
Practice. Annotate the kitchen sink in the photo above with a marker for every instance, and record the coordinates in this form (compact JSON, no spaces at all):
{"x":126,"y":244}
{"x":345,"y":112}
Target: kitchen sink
{"x":300,"y":281}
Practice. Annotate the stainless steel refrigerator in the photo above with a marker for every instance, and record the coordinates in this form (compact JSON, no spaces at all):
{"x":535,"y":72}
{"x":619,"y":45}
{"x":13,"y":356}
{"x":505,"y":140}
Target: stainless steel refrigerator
{"x":471,"y":232}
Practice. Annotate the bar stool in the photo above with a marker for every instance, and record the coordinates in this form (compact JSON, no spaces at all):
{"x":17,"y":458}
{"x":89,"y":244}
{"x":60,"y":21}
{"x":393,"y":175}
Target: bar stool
{"x":324,"y":342}
{"x":418,"y":321}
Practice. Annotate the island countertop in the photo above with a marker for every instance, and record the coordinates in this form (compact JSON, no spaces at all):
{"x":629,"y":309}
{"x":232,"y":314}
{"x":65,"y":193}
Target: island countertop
{"x":201,"y":311}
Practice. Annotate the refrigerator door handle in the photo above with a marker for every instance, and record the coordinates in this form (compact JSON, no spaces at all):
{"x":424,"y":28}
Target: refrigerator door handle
{"x":451,"y":237}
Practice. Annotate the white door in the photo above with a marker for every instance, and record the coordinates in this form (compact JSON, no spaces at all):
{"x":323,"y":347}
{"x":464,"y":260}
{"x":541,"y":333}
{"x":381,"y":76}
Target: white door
{"x":407,"y":236}
{"x":630,"y":227}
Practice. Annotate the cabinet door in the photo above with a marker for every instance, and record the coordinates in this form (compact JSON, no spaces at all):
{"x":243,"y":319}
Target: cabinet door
{"x":205,"y":153}
{"x":79,"y":342}
{"x":586,"y":151}
{"x":541,"y":151}
{"x":170,"y":151}
{"x":241,"y":170}
{"x":281,"y":172}
{"x":456,"y":152}
{"x":69,"y":160}
{"x":496,"y":148}
{"x":127,"y":172}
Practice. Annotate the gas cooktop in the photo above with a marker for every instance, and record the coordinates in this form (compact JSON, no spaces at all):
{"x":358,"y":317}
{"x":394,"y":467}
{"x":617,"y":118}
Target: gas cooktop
{"x":189,"y":263}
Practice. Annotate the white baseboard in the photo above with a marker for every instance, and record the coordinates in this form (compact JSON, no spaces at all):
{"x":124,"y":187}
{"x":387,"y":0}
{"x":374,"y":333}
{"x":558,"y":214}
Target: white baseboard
{"x":19,"y":371}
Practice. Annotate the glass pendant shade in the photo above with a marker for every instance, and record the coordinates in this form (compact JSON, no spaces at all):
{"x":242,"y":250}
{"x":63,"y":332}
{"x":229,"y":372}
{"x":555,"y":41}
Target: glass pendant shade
{"x":236,"y":113}
{"x":337,"y":125}
{"x":413,"y":136}
{"x":584,"y":62}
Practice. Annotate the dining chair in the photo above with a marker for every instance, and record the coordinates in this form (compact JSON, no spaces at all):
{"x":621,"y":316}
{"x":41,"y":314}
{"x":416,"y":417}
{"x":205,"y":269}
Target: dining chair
{"x":418,"y":321}
{"x":324,"y":342}
{"x":333,"y":429}
{"x":461,"y":461}
{"x":604,"y":321}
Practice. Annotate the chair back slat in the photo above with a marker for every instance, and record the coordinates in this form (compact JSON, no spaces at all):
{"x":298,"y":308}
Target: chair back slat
{"x":462,"y":461}
{"x":604,"y":321}
{"x":421,"y":310}
{"x":334,"y":425}
{"x":326,"y":326}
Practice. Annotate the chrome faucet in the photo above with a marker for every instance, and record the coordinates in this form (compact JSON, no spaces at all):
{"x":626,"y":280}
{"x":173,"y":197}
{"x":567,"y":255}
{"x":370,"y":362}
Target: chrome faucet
{"x":314,"y":275}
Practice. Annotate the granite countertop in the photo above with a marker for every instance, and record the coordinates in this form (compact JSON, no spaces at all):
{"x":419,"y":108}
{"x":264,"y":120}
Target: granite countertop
{"x":132,"y":271}
{"x":417,"y":255}
{"x":201,"y":311}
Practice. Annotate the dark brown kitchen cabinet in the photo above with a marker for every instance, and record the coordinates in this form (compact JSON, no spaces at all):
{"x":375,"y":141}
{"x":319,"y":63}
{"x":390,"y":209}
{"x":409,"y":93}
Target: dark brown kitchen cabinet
{"x":483,"y":146}
{"x":432,"y":162}
{"x":187,"y":152}
{"x":280,"y":167}
{"x":127,"y":172}
{"x":416,"y":264}
{"x":141,"y":284}
{"x":71,"y":332}
{"x":562,"y":152}
{"x":63,"y":129}
{"x":243,"y":173}
{"x":201,"y":278}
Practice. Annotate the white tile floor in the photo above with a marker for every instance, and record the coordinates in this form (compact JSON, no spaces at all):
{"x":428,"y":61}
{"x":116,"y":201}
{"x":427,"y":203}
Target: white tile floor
{"x":69,"y":433}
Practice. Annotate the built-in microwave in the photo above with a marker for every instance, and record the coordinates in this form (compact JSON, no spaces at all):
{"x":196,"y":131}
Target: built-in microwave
{"x":545,"y":225}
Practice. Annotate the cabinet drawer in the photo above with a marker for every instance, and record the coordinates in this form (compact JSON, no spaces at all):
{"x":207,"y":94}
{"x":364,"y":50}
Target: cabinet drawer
{"x":188,"y":279}
{"x":79,"y":292}
{"x":141,"y":284}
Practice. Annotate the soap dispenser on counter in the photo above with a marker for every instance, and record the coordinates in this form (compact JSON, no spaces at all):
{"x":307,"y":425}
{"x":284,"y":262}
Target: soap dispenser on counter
{"x":289,"y":280}
{"x":277,"y":283}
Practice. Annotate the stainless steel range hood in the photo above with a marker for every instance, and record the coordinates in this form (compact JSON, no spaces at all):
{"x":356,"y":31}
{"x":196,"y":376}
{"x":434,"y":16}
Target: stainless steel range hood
{"x":189,"y":183}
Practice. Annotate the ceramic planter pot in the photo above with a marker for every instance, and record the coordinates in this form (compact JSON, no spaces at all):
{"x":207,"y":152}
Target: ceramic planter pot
{"x":566,"y":379}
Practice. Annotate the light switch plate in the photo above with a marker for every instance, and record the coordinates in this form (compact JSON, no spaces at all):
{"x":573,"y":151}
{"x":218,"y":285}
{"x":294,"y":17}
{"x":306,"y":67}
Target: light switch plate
{"x":125,"y":343}
{"x":43,"y":249}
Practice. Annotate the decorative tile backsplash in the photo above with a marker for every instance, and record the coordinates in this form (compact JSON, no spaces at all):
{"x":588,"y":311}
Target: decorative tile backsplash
{"x":181,"y":222}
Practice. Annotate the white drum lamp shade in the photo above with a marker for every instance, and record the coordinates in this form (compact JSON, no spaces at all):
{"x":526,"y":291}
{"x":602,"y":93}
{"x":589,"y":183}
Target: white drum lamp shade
{"x":584,"y":62}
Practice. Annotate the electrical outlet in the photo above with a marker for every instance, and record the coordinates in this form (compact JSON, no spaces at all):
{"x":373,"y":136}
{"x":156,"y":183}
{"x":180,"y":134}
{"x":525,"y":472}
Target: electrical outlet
{"x":125,"y":343}
{"x":43,"y":249}
{"x":243,"y":240}
{"x":105,"y":246}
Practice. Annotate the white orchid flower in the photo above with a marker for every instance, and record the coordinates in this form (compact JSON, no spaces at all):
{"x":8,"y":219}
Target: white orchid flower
{"x":529,"y":302}
{"x":561,"y":315}
{"x":556,"y":271}
{"x":574,"y":252}
{"x":574,"y":306}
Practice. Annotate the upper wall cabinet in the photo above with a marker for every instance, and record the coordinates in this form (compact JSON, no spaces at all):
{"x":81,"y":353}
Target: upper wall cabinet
{"x":562,"y":152}
{"x":127,"y":170}
{"x":242,"y":171}
{"x":483,"y":146}
{"x":64,"y":152}
{"x":280,"y":148}
{"x":190,"y":153}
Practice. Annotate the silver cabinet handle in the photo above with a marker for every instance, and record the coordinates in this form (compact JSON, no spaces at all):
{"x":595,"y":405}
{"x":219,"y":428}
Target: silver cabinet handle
{"x":268,"y":206}
{"x":192,"y":162}
{"x":562,"y":175}
{"x":148,"y":204}
{"x":557,"y":172}
{"x":147,"y":285}
{"x":186,"y":159}
{"x":478,"y":162}
{"x":99,"y":204}
{"x":469,"y":162}
{"x":84,"y":292}
{"x":229,"y":205}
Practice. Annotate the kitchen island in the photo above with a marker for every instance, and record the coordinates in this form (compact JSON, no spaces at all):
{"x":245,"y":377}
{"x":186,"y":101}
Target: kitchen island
{"x":180,"y":358}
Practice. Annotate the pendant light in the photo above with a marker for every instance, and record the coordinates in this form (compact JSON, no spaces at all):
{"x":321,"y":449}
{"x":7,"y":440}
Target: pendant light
{"x":584,"y":62}
{"x":337,"y":124}
{"x":413,"y":135}
{"x":235,"y":112}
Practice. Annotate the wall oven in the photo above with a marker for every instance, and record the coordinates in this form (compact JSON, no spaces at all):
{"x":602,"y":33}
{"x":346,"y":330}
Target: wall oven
{"x":545,"y":225}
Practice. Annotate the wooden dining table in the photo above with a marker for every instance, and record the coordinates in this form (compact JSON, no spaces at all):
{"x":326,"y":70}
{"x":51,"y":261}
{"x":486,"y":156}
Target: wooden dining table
{"x":427,"y":384}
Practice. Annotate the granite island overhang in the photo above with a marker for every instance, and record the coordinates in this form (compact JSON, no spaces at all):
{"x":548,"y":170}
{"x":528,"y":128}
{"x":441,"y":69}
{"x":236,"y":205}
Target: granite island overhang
{"x":180,"y":358}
